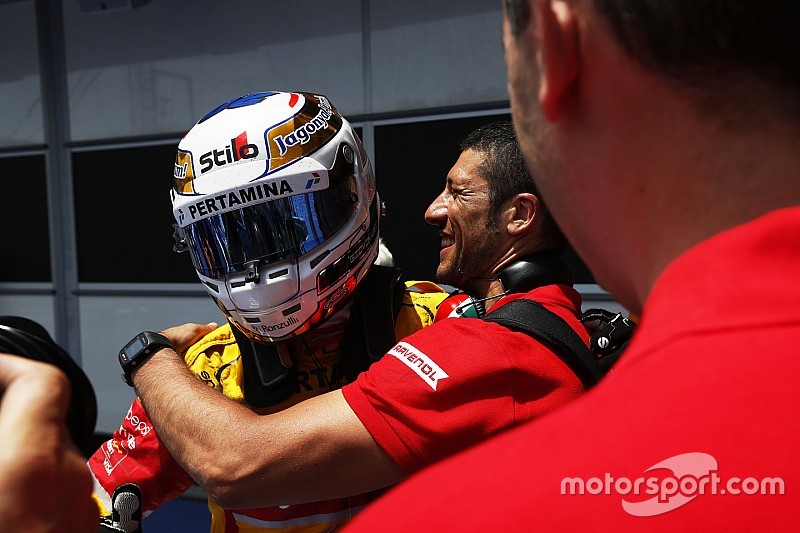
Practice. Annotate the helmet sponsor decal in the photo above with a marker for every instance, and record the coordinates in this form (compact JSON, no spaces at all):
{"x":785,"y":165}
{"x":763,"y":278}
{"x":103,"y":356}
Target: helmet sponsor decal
{"x":334,"y":301}
{"x":315,"y":124}
{"x":237,"y":150}
{"x":313,"y":180}
{"x":253,"y":193}
{"x":269,"y":330}
{"x":334,"y":298}
{"x":190,"y":208}
{"x":184,"y":171}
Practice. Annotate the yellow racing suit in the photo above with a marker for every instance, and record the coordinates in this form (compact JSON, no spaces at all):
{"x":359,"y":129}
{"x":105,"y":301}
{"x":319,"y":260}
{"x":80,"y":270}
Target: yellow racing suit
{"x":134,"y":454}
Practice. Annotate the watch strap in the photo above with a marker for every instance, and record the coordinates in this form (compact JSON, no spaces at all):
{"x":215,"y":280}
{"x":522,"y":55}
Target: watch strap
{"x":138,"y":350}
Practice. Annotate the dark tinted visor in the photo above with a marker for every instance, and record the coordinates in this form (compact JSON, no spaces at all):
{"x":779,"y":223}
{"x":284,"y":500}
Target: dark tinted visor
{"x":271,"y":231}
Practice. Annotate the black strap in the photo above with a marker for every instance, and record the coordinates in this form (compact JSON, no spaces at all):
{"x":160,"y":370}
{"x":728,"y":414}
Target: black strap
{"x":532,"y":318}
{"x":265,"y":379}
{"x":370,"y":329}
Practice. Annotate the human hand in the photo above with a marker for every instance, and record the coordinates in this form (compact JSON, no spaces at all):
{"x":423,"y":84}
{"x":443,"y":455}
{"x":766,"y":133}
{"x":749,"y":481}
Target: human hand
{"x":45,"y":481}
{"x":183,"y":336}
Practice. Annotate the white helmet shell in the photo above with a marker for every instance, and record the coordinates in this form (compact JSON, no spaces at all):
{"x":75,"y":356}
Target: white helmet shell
{"x":275,"y":199}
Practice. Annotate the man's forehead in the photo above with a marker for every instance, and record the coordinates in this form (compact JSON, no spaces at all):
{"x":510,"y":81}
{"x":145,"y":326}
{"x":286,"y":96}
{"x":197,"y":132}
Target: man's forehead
{"x":468,"y":168}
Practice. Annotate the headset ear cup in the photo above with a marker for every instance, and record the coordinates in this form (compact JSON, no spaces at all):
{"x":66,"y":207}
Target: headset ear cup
{"x":26,"y":338}
{"x":459,"y":304}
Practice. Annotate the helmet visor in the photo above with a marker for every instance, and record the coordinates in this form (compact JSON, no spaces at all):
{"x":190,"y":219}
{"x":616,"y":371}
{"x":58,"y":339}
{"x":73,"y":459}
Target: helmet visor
{"x":270,"y":231}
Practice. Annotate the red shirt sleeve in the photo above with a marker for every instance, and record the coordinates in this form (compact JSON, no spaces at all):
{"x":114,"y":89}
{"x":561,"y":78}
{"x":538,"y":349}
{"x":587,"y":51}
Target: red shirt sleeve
{"x":454,"y":384}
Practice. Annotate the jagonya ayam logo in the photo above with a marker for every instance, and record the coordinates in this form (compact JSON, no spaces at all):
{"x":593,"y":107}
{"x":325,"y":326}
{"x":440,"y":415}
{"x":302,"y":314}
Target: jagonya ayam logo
{"x":313,"y":126}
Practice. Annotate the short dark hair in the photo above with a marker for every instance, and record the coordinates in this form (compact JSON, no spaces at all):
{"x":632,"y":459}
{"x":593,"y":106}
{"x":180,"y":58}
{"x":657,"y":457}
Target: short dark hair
{"x":705,"y":45}
{"x":699,"y":41}
{"x":503,"y":167}
{"x":518,"y":15}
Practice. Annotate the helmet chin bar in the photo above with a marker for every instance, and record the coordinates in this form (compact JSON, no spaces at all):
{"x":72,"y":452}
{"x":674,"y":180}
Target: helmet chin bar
{"x":263,"y":300}
{"x":328,"y":307}
{"x":327,"y":277}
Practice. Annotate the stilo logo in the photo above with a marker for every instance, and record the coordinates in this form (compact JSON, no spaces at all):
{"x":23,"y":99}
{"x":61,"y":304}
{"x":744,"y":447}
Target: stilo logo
{"x":671,"y":484}
{"x":237,"y":150}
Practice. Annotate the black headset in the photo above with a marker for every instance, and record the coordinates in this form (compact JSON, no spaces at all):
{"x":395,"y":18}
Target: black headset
{"x":527,"y":273}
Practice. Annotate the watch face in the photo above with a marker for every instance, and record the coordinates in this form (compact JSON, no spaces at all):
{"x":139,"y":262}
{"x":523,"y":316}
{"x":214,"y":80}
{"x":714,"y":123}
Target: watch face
{"x":134,"y":347}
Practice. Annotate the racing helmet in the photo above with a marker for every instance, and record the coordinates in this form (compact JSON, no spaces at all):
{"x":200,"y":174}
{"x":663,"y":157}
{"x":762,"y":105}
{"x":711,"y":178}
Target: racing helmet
{"x":274,"y":198}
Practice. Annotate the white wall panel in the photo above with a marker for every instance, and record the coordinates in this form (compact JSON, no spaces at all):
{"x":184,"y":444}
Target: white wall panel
{"x":108,"y":322}
{"x":38,"y":307}
{"x":21,"y":102}
{"x":159,"y":68}
{"x":436,"y":53}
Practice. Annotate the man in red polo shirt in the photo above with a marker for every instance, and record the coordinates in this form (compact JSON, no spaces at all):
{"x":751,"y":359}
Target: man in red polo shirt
{"x":471,"y":379}
{"x":665,"y":138}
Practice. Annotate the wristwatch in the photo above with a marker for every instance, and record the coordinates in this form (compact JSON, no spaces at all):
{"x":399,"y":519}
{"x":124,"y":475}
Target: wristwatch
{"x":138,"y":350}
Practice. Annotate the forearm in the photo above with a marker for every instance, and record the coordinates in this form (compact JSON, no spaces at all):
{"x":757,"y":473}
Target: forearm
{"x":193,"y":421}
{"x":314,"y":451}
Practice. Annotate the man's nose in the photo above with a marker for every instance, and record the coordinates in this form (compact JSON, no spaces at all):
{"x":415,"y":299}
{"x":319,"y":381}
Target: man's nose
{"x":436,"y":212}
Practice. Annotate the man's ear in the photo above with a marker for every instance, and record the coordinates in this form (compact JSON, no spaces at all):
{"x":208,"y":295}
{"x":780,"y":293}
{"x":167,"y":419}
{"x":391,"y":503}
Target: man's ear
{"x":522,"y":212}
{"x":557,"y":30}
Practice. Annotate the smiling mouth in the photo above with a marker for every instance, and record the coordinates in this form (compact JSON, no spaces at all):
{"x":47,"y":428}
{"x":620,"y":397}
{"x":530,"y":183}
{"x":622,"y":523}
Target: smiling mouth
{"x":447,"y":242}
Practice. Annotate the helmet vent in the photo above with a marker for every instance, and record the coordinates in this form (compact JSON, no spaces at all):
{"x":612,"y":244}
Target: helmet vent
{"x":279,"y":273}
{"x":237,"y":284}
{"x":293,"y":309}
{"x":252,"y":320}
{"x":317,"y":260}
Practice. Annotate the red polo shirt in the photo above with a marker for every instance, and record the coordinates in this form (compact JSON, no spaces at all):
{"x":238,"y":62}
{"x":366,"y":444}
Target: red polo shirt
{"x":699,"y":417}
{"x":461,"y":381}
